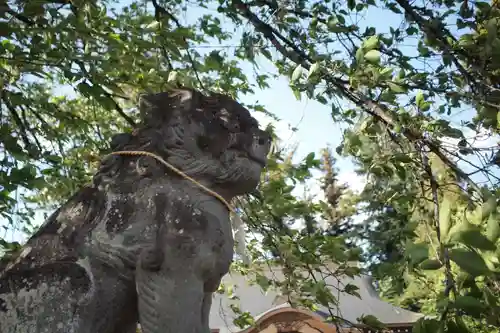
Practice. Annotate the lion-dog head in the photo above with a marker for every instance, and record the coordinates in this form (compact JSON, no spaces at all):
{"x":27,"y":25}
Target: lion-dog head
{"x":211,"y":138}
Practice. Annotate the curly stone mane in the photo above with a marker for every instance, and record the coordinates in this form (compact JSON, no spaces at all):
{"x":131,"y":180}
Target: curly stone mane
{"x":203,"y":136}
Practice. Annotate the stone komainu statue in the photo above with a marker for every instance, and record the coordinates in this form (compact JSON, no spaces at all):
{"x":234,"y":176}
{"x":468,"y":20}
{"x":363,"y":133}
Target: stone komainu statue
{"x":141,"y":243}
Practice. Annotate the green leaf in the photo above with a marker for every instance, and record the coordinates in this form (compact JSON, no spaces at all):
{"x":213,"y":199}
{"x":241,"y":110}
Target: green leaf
{"x":493,"y":228}
{"x":467,"y":303}
{"x":332,"y":23}
{"x":426,"y":325}
{"x":341,"y":19}
{"x":419,"y":99}
{"x":371,"y":43}
{"x":386,"y":72}
{"x":266,"y":53}
{"x":464,"y":280}
{"x":452,"y":132}
{"x":263,"y":282}
{"x":489,"y":297}
{"x":297,"y":72}
{"x":313,"y":69}
{"x":445,"y":217}
{"x":455,"y":325}
{"x":360,"y":53}
{"x":482,"y":6}
{"x":396,"y":87}
{"x":371,"y":321}
{"x":488,"y":207}
{"x":492,"y":29}
{"x":296,"y":93}
{"x":54,"y":159}
{"x":401,"y":171}
{"x":475,"y":239}
{"x":430,"y":264}
{"x":469,"y":261}
{"x":309,"y":160}
{"x":321,"y":99}
{"x":417,"y":252}
{"x":172,"y":76}
{"x":153,"y":25}
{"x":352,"y":289}
{"x":425,"y":106}
{"x":85,"y":89}
{"x":373,"y":56}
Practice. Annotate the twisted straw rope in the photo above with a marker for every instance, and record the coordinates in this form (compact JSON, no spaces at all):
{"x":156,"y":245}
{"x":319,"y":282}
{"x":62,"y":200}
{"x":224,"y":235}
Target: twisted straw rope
{"x":177,"y":171}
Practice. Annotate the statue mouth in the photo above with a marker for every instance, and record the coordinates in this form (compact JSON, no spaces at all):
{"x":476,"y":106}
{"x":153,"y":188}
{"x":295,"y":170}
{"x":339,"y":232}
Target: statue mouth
{"x":261,"y":161}
{"x":256,"y":151}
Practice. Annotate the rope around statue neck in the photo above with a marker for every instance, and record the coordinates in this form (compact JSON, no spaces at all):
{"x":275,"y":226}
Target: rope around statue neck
{"x":177,"y":171}
{"x":238,"y":225}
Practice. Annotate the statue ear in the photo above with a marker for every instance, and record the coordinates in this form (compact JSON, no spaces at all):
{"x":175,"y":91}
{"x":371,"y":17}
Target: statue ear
{"x":158,"y":108}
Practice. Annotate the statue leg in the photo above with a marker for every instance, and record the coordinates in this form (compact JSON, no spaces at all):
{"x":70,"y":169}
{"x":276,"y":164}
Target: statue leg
{"x":205,"y":311}
{"x":210,"y":287}
{"x":170,"y":294}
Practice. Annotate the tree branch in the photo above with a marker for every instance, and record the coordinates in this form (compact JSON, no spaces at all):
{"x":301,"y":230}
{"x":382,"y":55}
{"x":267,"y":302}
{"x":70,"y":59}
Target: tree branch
{"x":377,"y":110}
{"x":159,"y":11}
{"x":436,"y":34}
{"x":17,"y":120}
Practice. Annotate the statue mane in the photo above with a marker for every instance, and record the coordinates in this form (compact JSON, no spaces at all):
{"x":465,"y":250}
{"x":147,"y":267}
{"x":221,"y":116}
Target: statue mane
{"x":162,"y":131}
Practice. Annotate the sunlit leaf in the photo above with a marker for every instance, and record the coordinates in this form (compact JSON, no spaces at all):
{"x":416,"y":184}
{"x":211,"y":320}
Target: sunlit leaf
{"x":297,"y":72}
{"x":469,"y":261}
{"x":372,"y":56}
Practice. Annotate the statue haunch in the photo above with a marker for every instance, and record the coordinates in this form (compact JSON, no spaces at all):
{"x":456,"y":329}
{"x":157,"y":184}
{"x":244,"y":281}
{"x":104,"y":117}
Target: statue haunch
{"x":141,"y":244}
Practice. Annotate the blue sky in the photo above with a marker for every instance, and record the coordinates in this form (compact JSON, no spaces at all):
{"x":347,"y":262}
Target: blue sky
{"x":315,"y":128}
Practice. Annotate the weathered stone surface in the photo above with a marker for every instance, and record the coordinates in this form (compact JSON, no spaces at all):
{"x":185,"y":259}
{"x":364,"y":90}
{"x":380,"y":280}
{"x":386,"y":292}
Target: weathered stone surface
{"x":141,"y":243}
